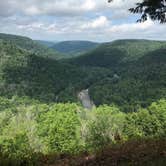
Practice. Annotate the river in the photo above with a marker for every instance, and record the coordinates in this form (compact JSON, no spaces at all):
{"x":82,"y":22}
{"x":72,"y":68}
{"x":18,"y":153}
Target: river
{"x":85,"y":99}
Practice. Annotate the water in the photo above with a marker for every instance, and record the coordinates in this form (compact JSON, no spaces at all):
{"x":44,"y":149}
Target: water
{"x":85,"y":99}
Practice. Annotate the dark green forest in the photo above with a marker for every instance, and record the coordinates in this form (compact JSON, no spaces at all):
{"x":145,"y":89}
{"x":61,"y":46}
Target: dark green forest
{"x":43,"y":121}
{"x":138,"y":72}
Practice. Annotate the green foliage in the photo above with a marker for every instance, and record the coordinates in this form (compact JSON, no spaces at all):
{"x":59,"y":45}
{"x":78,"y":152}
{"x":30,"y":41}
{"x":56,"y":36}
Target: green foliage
{"x":30,"y":75}
{"x":29,"y":128}
{"x":142,"y":124}
{"x":36,"y":116}
{"x":128,"y":73}
{"x":139,"y":84}
{"x":148,"y":122}
{"x":104,"y":127}
{"x":60,"y":129}
{"x":158,"y":109}
{"x":29,"y":45}
{"x":47,"y":80}
{"x":114,"y":54}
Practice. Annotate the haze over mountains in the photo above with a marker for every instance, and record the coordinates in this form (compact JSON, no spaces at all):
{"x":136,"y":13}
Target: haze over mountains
{"x":46,"y":43}
{"x":74,"y":47}
{"x":70,"y":48}
{"x":50,"y":49}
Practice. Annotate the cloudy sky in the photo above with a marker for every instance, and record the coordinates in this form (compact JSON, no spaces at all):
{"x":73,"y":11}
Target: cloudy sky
{"x":95,"y":20}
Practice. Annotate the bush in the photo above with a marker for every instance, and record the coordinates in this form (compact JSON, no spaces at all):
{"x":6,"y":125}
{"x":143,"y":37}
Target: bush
{"x":104,"y":127}
{"x":59,"y":129}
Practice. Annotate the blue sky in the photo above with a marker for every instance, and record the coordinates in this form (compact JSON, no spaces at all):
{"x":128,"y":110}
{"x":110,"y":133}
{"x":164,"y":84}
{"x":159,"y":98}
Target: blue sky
{"x":57,"y":20}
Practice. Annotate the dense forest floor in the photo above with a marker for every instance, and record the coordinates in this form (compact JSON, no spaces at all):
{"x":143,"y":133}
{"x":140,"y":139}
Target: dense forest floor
{"x":132,"y":153}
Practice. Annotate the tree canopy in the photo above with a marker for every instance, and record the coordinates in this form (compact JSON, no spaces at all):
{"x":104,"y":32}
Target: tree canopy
{"x":155,"y":9}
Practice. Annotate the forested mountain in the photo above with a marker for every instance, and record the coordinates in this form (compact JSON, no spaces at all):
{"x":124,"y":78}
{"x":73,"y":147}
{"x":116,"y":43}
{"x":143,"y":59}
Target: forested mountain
{"x":121,"y":51}
{"x":27,"y":74}
{"x":30,"y":45}
{"x":111,"y":72}
{"x":139,"y":72}
{"x":23,"y":73}
{"x":74,"y":48}
{"x":42,"y":121}
{"x":46,"y":43}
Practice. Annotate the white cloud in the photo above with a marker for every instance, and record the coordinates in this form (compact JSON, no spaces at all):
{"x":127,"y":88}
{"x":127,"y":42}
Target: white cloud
{"x":131,"y":27}
{"x":99,"y":22}
{"x":61,"y":8}
{"x":89,"y":5}
{"x":6,"y":8}
{"x":123,"y":4}
{"x":75,"y":19}
{"x":46,"y":7}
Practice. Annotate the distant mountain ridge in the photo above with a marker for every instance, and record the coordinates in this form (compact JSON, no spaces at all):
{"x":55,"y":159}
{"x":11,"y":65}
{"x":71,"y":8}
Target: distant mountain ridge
{"x":114,"y":53}
{"x":74,"y":47}
{"x":46,"y":43}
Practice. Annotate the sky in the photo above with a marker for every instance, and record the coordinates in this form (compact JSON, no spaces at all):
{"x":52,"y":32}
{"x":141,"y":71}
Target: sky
{"x":59,"y":20}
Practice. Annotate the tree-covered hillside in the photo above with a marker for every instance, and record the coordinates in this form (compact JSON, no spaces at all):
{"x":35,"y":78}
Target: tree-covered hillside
{"x":25,"y":74}
{"x":138,"y":83}
{"x":43,"y":123}
{"x":74,"y":48}
{"x":30,"y":45}
{"x":121,"y":78}
{"x":139,"y":72}
{"x":114,"y":53}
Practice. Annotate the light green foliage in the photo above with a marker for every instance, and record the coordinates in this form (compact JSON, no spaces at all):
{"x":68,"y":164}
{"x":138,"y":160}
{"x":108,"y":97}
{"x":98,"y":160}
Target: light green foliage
{"x":18,"y":135}
{"x":105,"y":126}
{"x":148,"y":122}
{"x":60,"y":129}
{"x":158,"y":109}
{"x":142,"y":124}
{"x":130,"y":76}
{"x":28,"y":128}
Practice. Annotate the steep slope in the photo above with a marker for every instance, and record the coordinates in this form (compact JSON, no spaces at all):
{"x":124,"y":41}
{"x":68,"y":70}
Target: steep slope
{"x":74,"y":47}
{"x":26,"y":74}
{"x":138,"y":83}
{"x":123,"y":79}
{"x":139,"y":68}
{"x":115,"y":53}
{"x":30,"y":45}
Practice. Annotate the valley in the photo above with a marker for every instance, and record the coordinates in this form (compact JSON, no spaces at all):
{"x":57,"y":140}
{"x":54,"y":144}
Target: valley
{"x":141,"y":82}
{"x":61,"y":102}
